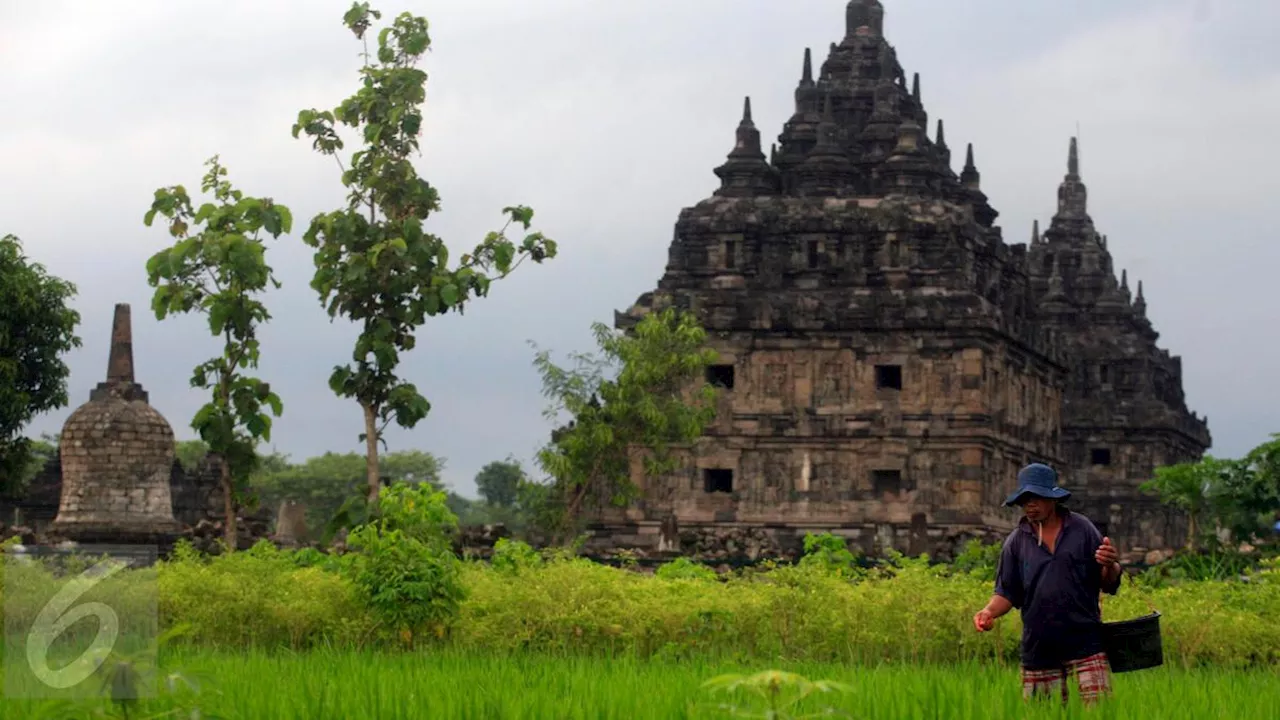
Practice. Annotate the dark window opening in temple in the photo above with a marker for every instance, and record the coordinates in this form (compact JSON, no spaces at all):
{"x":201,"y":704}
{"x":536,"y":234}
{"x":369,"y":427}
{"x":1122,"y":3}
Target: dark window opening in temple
{"x":720,"y":376}
{"x":814,"y":255}
{"x":1104,"y":374}
{"x":1100,"y":456}
{"x":889,"y":377}
{"x":717,"y":480}
{"x":886,"y":481}
{"x":730,"y":254}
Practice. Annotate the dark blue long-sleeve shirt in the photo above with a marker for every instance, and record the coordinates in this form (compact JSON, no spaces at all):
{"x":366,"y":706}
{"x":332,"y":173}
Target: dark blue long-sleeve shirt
{"x":1057,"y":593}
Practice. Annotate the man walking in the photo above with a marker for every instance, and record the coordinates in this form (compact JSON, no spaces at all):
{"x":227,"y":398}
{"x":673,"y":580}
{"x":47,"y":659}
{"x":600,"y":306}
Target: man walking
{"x":1053,"y":567}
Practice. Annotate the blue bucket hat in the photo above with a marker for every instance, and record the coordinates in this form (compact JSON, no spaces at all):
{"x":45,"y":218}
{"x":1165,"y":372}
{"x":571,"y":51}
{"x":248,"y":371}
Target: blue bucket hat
{"x":1040,"y":480}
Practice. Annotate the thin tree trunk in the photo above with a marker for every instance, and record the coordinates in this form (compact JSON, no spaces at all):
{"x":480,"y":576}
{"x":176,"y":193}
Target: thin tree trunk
{"x":1191,"y":532}
{"x":230,"y":534}
{"x":569,"y":521}
{"x":371,"y":452}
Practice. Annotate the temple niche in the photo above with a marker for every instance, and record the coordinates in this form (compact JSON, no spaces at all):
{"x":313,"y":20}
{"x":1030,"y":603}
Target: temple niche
{"x":888,"y":360}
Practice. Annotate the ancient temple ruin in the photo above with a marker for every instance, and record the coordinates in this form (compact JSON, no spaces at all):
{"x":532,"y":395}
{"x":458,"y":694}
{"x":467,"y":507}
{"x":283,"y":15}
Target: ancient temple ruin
{"x":1123,"y":412}
{"x":888,"y":361}
{"x":117,"y":454}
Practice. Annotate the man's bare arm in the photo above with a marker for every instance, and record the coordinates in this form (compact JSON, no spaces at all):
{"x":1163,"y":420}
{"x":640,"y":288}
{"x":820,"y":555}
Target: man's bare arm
{"x":998,"y":605}
{"x":985,"y":618}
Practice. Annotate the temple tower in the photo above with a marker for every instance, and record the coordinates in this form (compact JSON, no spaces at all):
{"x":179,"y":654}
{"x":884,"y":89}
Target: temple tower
{"x":1124,"y":412}
{"x":884,"y":377}
{"x":117,"y":457}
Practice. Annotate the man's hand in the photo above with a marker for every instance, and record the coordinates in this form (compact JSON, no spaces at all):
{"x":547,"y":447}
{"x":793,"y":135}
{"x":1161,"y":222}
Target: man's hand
{"x":984,"y":620}
{"x":1106,"y":554}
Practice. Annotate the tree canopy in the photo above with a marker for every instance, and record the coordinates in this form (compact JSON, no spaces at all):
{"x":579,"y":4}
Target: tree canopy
{"x":37,"y":326}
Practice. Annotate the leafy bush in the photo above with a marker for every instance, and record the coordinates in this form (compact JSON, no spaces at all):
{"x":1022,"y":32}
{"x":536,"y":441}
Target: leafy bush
{"x":978,"y":559}
{"x":830,"y":553}
{"x":419,"y":511}
{"x":260,"y":597}
{"x":513,"y":556}
{"x":682,"y":568}
{"x":403,"y":562}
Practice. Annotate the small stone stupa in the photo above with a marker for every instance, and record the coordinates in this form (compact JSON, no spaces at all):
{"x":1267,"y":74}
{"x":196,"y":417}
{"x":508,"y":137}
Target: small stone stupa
{"x":117,"y":458}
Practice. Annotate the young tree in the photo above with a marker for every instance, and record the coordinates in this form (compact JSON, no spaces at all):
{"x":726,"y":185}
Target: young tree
{"x":643,"y":394}
{"x":1247,"y":499}
{"x":37,"y":325}
{"x":1241,"y":496}
{"x":1189,"y":487}
{"x":219,"y":272}
{"x":498,"y":482}
{"x":374,"y":263}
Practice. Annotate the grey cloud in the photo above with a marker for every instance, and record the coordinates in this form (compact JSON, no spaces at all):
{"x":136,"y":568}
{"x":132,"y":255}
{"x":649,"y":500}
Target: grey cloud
{"x":607,"y":118}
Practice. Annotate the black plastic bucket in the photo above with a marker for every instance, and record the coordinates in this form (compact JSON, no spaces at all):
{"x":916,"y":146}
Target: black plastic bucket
{"x":1133,"y":644}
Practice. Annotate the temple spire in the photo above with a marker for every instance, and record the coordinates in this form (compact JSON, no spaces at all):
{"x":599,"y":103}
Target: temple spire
{"x":746,"y":172}
{"x":1140,"y":303}
{"x":120,"y":359}
{"x":806,"y":75}
{"x":969,"y":176}
{"x":747,"y":144}
{"x":971,"y":183}
{"x":915,"y":87}
{"x":1072,"y":195}
{"x":942,"y":137}
{"x":861,"y":14}
{"x":120,"y":383}
{"x":1035,"y":232}
{"x":827,"y":170}
{"x":1124,"y":281}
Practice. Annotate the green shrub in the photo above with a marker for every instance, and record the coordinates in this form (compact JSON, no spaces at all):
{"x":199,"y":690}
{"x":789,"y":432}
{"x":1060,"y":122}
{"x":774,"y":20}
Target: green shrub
{"x":403,"y":563}
{"x":513,"y":556}
{"x":260,"y":597}
{"x":978,"y":559}
{"x":830,"y":553}
{"x":419,"y":511}
{"x":682,"y":568}
{"x":410,"y":585}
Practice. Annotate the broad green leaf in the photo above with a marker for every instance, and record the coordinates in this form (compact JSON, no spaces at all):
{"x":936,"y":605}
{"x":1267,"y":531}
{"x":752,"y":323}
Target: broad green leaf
{"x":449,"y":295}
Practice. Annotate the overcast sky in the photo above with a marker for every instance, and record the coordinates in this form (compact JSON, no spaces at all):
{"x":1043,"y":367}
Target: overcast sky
{"x":607,"y":117}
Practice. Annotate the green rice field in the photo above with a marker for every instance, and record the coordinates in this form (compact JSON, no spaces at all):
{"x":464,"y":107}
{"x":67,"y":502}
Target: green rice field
{"x":341,"y":685}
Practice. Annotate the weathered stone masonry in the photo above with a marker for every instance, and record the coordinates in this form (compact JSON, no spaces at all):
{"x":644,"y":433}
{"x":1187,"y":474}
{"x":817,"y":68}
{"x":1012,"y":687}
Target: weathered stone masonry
{"x":888,"y":360}
{"x":117,"y":455}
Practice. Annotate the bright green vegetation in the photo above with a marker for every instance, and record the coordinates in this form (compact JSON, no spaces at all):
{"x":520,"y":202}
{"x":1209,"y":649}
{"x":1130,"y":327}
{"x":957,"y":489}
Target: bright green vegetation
{"x":811,"y":612}
{"x":352,"y":685}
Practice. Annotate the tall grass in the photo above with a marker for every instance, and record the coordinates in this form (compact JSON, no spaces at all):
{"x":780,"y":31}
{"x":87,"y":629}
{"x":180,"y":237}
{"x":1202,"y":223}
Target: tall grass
{"x":339,"y":685}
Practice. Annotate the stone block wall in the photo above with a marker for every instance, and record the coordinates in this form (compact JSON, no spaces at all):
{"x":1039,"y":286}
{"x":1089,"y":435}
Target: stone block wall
{"x":117,"y":458}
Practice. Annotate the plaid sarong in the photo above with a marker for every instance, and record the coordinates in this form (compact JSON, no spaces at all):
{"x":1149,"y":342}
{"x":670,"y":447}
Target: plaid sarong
{"x":1093,"y":675}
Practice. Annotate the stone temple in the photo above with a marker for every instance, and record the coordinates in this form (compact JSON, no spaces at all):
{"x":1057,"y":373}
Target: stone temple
{"x":888,"y":360}
{"x":117,"y":454}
